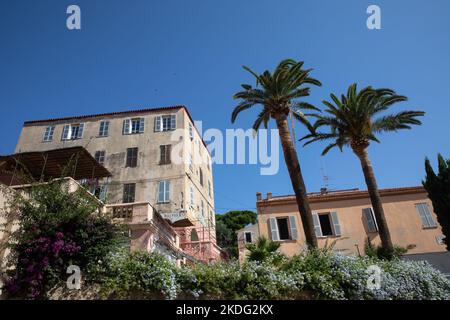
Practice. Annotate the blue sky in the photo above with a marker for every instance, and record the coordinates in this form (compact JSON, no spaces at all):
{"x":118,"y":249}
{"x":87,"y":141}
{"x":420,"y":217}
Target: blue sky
{"x":134,"y":54}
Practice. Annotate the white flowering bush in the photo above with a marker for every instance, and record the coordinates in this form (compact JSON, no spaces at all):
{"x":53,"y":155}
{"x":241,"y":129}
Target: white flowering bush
{"x":141,"y":275}
{"x":317,"y":274}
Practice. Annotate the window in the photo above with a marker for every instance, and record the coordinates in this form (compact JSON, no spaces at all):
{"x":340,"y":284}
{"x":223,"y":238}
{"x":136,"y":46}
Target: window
{"x":203,"y":209}
{"x":191,"y":131}
{"x":190,"y":162}
{"x":48,"y":133}
{"x":132,"y":155}
{"x":129,"y":190}
{"x":104,"y":129}
{"x":425,"y":215}
{"x":182,"y":200}
{"x":371,"y":222}
{"x":100,"y":191}
{"x":209,"y":188}
{"x":283,"y":228}
{"x":326,"y":224}
{"x":100,"y":157}
{"x":165,"y":154}
{"x":248,"y":237}
{"x":164,"y":191}
{"x":165,"y":123}
{"x":73,"y":131}
{"x":191,"y":190}
{"x":133,"y":126}
{"x":200,"y":172}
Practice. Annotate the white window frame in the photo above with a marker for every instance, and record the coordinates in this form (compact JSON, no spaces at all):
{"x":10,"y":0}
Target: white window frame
{"x":133,"y":126}
{"x":69,"y":132}
{"x":166,"y":122}
{"x":103,"y":130}
{"x":48,"y":134}
{"x":163,"y":191}
{"x":101,"y":157}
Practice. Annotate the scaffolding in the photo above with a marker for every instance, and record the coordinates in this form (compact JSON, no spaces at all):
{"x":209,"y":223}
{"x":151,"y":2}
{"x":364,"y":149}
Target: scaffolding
{"x":199,"y":241}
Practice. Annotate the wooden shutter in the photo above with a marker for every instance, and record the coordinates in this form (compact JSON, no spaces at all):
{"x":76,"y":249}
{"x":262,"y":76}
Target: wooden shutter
{"x":274,"y":229}
{"x":336,"y":225}
{"x":317,"y":227}
{"x":126,"y":126}
{"x":293,"y":227}
{"x":370,"y":220}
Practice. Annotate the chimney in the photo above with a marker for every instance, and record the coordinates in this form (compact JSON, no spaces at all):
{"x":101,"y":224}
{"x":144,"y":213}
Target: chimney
{"x":323,"y":190}
{"x":269,"y":195}
{"x":258,"y":196}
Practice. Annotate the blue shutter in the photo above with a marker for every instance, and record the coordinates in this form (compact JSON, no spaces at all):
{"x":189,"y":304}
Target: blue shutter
{"x":161,"y":191}
{"x":167,"y":191}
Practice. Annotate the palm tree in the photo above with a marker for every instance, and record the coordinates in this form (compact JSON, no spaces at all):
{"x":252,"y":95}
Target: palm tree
{"x":277,"y":93}
{"x":354,"y":120}
{"x":262,"y":249}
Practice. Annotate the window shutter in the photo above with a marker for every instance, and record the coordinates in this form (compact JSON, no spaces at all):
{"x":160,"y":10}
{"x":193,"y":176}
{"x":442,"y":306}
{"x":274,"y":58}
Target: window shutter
{"x":336,"y":225}
{"x":293,"y":226}
{"x":66,"y":132}
{"x":274,"y":229}
{"x":161,"y":191}
{"x":103,"y":191}
{"x":141,"y":125}
{"x":370,"y":220}
{"x":425,"y":215}
{"x":167,"y":191}
{"x":173,"y":121}
{"x":80,"y":131}
{"x":126,"y":126}
{"x":168,"y":153}
{"x":317,"y":227}
{"x":157,"y":123}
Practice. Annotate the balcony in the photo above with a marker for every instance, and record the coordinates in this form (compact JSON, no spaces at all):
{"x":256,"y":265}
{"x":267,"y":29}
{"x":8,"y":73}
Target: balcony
{"x":148,"y":229}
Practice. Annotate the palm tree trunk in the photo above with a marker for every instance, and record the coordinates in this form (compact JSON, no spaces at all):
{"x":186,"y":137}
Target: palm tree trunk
{"x":375,"y":198}
{"x":293,"y":166}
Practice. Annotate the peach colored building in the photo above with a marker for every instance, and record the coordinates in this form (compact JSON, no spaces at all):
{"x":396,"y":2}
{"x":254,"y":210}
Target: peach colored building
{"x":347,"y":217}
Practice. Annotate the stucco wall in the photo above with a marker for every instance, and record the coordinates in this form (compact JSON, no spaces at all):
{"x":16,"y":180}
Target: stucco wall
{"x":402,"y":217}
{"x":148,"y":172}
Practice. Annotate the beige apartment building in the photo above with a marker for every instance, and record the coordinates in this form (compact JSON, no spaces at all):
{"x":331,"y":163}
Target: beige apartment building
{"x":347,"y":217}
{"x":154,"y":156}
